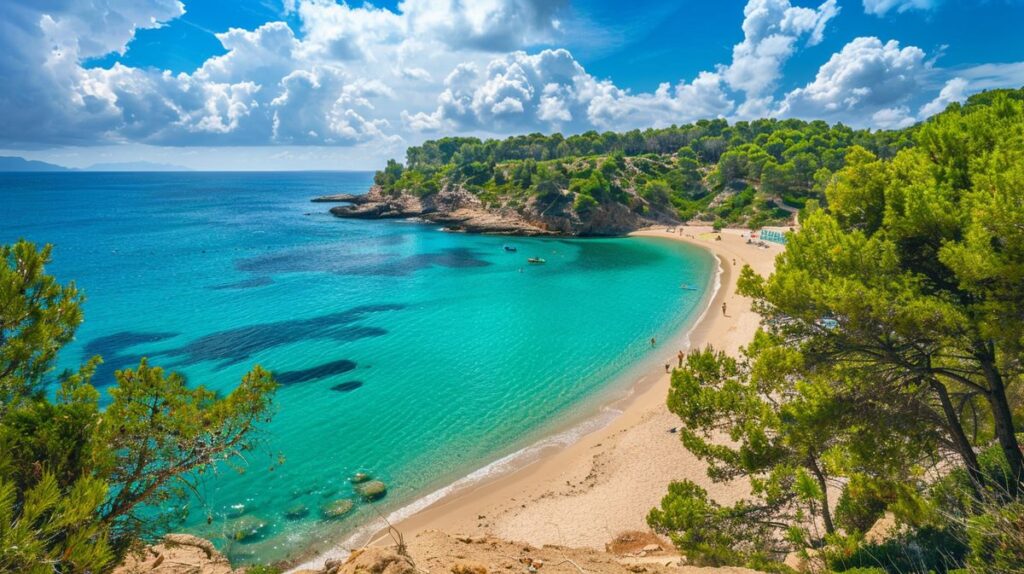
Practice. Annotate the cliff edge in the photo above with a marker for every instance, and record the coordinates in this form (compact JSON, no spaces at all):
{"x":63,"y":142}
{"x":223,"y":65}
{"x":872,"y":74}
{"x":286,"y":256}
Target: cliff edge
{"x":460,"y":210}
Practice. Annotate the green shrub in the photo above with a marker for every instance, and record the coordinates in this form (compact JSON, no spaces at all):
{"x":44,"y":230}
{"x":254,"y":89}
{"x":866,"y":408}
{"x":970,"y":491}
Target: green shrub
{"x":583,"y":203}
{"x":656,"y":191}
{"x":861,"y":504}
{"x":996,"y":539}
{"x":791,"y":199}
{"x":925,"y":550}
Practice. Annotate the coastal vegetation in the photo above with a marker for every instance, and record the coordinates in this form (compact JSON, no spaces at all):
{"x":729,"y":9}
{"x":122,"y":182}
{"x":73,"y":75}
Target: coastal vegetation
{"x":886,"y":379}
{"x":745,"y":173}
{"x":748,"y":173}
{"x":83,"y":481}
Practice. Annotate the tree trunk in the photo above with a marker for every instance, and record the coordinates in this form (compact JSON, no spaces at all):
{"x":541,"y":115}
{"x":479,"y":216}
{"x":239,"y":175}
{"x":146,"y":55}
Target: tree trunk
{"x":826,"y":512}
{"x":963,"y":444}
{"x":1003,"y":419}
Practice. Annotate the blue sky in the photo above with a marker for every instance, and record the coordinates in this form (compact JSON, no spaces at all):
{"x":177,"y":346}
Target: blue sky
{"x":315,"y":84}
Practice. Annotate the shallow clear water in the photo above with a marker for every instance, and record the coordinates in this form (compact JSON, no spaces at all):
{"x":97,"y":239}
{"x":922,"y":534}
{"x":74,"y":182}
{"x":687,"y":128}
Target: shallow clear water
{"x":412,"y":354}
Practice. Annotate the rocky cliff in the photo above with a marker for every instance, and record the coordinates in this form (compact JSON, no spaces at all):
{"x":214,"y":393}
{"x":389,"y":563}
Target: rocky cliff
{"x":437,"y":552}
{"x":178,"y":554}
{"x":460,"y":210}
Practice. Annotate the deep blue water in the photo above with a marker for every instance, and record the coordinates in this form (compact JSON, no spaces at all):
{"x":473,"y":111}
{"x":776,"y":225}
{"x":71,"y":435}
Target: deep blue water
{"x":412,"y":354}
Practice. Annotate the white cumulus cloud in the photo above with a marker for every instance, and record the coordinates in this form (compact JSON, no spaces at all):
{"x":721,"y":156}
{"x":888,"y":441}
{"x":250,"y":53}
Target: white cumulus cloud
{"x":41,"y":47}
{"x":955,"y":90}
{"x":489,"y":25}
{"x":866,"y":77}
{"x":771,"y":30}
{"x":552,"y":91}
{"x":882,"y":7}
{"x":341,"y":75}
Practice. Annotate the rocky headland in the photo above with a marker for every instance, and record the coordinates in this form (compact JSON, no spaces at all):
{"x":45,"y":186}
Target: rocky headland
{"x":460,"y":210}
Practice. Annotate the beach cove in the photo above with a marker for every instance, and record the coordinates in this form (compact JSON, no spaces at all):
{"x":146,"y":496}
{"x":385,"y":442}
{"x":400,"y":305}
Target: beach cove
{"x":230,"y":270}
{"x":585,"y":492}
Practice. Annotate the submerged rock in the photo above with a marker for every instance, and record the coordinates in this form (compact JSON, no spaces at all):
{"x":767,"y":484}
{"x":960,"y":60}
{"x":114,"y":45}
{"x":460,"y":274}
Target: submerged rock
{"x":296,"y":512}
{"x":235,"y":510}
{"x":359,"y":478}
{"x":246,"y":528}
{"x":338,"y":508}
{"x":347,"y":386}
{"x":372,"y":490}
{"x":314,"y":373}
{"x":302,"y":491}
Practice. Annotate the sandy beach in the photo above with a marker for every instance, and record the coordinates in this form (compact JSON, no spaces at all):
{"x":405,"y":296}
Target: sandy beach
{"x":585,"y":494}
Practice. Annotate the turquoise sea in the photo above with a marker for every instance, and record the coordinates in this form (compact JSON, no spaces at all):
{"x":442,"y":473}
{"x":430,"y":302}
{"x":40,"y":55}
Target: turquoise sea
{"x":412,"y":354}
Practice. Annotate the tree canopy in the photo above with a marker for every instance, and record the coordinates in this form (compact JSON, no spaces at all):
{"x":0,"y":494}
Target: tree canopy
{"x":80,"y":485}
{"x":889,"y":369}
{"x":749,"y":172}
{"x":677,"y":171}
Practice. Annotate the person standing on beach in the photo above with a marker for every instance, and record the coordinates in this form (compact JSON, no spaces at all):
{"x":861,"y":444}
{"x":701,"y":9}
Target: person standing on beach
{"x":723,"y":307}
{"x":681,"y":356}
{"x":668,"y":367}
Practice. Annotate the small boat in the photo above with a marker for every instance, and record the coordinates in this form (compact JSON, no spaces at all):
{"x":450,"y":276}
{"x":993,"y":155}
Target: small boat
{"x":510,"y":248}
{"x":536,"y":261}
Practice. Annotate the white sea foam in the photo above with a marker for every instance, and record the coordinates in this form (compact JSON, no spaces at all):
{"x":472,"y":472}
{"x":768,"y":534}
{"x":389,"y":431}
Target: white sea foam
{"x":500,"y":467}
{"x":707,"y":306}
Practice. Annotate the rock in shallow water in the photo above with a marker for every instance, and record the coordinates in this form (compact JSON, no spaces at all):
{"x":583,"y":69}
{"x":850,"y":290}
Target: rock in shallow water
{"x":338,"y":508}
{"x":296,"y":512}
{"x":246,"y":528}
{"x":372,"y":490}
